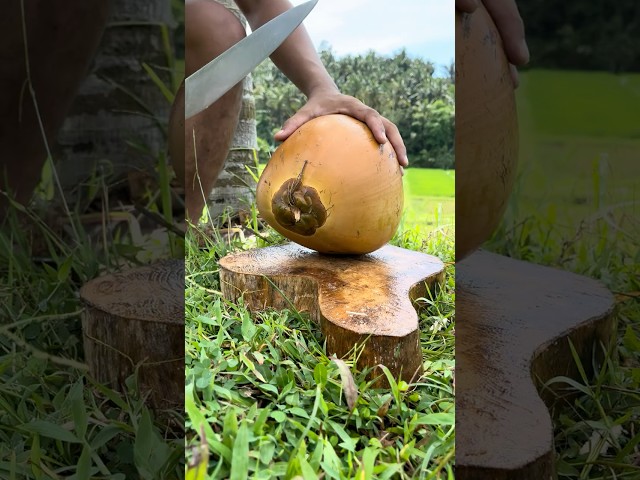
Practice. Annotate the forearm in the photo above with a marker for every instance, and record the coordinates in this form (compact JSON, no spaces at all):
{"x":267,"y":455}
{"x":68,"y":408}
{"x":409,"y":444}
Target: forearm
{"x":296,"y":57}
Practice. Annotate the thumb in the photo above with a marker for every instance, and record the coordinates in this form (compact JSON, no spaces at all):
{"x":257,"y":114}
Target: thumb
{"x":291,"y":125}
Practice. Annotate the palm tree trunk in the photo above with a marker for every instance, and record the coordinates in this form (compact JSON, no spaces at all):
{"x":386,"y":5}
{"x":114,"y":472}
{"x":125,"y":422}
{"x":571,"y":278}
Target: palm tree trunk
{"x":234,"y":189}
{"x":53,"y":52}
{"x":118,"y":104}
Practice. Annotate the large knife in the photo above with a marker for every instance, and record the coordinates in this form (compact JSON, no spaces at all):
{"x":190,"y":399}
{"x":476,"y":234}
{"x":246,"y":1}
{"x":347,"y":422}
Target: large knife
{"x":208,"y":84}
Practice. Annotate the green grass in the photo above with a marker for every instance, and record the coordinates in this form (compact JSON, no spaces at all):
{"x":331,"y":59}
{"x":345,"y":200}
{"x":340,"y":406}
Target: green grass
{"x":271,"y":403}
{"x":569,"y":176}
{"x":576,"y":206}
{"x":429,"y":182}
{"x":594,"y":104}
{"x":429,"y":199}
{"x":579,"y":145}
{"x":56,"y":420}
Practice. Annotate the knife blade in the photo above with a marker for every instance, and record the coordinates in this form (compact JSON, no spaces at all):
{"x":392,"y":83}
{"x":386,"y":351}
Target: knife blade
{"x":213,"y":80}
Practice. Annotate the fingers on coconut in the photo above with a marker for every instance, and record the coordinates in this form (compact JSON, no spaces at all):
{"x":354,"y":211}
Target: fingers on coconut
{"x":374,"y":121}
{"x":396,"y":142}
{"x":507,"y":18}
{"x":291,"y":125}
{"x":467,"y":6}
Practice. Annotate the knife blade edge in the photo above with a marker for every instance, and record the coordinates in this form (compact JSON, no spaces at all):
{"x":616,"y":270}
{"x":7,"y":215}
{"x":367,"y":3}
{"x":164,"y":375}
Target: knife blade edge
{"x":209,"y":83}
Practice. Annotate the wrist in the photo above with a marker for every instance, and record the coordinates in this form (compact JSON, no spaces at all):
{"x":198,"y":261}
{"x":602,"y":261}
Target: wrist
{"x":325,"y":91}
{"x":323,"y":87}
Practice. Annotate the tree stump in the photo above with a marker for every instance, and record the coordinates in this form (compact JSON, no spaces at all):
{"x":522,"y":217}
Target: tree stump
{"x":365,"y":300}
{"x":514,"y":324}
{"x":135,"y":320}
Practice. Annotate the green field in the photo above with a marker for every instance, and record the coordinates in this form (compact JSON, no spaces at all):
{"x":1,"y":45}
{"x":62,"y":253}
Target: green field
{"x":595,"y":104}
{"x":429,"y":198}
{"x":579,"y":146}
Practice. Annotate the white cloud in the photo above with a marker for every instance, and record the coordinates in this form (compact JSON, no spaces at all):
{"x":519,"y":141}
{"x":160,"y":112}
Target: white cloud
{"x":424,"y":27}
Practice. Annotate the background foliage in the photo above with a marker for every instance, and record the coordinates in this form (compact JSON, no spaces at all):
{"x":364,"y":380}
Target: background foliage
{"x":583,"y":35}
{"x":401,"y":88}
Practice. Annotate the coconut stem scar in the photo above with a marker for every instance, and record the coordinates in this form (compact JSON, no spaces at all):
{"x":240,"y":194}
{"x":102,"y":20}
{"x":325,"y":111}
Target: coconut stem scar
{"x":295,"y":185}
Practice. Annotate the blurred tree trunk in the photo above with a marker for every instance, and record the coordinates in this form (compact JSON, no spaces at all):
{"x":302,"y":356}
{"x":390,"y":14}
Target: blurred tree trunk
{"x":119,"y":107}
{"x":46,"y":72}
{"x":235,"y":187}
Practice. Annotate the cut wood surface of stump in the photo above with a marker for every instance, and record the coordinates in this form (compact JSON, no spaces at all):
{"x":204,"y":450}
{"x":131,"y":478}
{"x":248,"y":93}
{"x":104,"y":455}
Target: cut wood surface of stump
{"x":514,"y":324}
{"x":135,"y":319}
{"x":364,"y":299}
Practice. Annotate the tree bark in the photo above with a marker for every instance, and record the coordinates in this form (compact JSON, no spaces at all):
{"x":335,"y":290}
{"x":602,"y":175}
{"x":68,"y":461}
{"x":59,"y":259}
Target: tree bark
{"x":235,"y":188}
{"x":61,"y":39}
{"x":118,"y":101}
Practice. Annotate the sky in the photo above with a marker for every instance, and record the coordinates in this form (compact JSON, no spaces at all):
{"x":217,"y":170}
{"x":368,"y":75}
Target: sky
{"x":425,"y":28}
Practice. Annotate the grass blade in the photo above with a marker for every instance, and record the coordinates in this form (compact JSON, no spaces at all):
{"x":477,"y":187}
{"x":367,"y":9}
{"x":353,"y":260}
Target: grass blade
{"x":240,"y":454}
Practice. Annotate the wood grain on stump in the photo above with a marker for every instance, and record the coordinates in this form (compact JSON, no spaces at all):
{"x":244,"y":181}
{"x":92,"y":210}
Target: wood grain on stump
{"x":135,"y":320}
{"x":514,"y":323}
{"x":355,"y":299}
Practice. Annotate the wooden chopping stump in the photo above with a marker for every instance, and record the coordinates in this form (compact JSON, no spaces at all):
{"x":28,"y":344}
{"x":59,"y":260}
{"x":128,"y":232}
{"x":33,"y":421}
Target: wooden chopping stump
{"x":513,"y":327}
{"x":135,"y":320}
{"x":363,"y":299}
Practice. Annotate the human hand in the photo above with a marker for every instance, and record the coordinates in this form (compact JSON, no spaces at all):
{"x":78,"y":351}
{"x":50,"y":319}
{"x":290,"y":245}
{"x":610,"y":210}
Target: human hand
{"x":510,"y":26}
{"x":333,"y":102}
